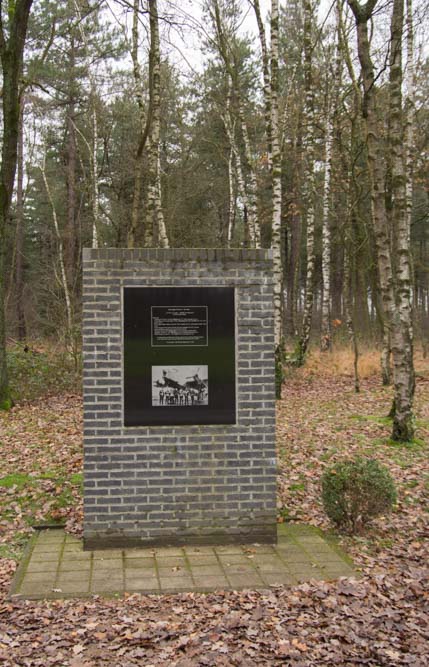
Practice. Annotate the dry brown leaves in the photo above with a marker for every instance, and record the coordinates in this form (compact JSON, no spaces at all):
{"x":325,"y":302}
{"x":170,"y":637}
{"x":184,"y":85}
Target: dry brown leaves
{"x":378,"y":620}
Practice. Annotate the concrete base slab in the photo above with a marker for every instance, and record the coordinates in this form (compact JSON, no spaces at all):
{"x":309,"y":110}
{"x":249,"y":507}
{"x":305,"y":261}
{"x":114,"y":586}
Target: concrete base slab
{"x":55,"y":566}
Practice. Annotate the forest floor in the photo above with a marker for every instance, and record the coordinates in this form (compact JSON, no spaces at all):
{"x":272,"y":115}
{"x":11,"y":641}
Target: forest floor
{"x":380,"y":619}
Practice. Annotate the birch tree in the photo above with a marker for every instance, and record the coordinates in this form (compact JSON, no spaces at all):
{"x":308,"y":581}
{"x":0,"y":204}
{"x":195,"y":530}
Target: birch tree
{"x":326,"y":335}
{"x":402,"y":339}
{"x":13,"y":31}
{"x":394,"y":279}
{"x":246,"y":176}
{"x":154,"y":216}
{"x":276,"y":171}
{"x":308,"y":177}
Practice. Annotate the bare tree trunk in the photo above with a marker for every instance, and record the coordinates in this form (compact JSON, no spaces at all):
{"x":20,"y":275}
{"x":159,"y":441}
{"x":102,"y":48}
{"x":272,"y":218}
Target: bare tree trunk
{"x":266,"y":76}
{"x":397,"y":311}
{"x":63,"y":274}
{"x":19,"y":238}
{"x":348,"y":307}
{"x":252,"y":184}
{"x":11,"y":59}
{"x":308,"y":179}
{"x":231,"y":202}
{"x":409,"y":113}
{"x":295,"y":226}
{"x":71,"y":161}
{"x":250,"y":217}
{"x":93,"y":148}
{"x":154,"y":215}
{"x":326,"y":333}
{"x":94,"y":162}
{"x":276,"y":239}
{"x":402,"y":343}
{"x":248,"y":185}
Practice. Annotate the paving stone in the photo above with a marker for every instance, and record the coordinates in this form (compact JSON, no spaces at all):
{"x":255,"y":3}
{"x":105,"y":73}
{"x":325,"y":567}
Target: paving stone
{"x":171,"y":573}
{"x":174,"y":570}
{"x":33,"y":577}
{"x":311,"y":542}
{"x":141,"y":563}
{"x":107,"y":584}
{"x":329,"y":556}
{"x":168,"y":551}
{"x":68,"y":587}
{"x":42,"y":566}
{"x":302,"y":567}
{"x":106,"y":564}
{"x":107,"y":554}
{"x":279,"y":578}
{"x":238,"y":568}
{"x":212,"y":570}
{"x":38,"y":589}
{"x":44,"y":549}
{"x":270,"y":566}
{"x":233,"y":558}
{"x":142,"y":584}
{"x":78,"y":556}
{"x":51,"y":536}
{"x":248,"y":580}
{"x":209,"y":559}
{"x":139,"y":553}
{"x":259,"y":549}
{"x":164,"y":561}
{"x":199,"y":551}
{"x":292,"y":554}
{"x":229,"y":549}
{"x":131,"y":575}
{"x":75,"y":566}
{"x":172,"y":585}
{"x":210,"y":582}
{"x":44,"y":558}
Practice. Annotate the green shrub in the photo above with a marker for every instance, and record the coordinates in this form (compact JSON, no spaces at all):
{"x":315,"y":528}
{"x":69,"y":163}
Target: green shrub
{"x":34,"y":373}
{"x":355,"y":492}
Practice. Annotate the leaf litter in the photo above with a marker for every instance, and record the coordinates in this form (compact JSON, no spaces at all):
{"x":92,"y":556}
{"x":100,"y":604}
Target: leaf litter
{"x":380,"y":619}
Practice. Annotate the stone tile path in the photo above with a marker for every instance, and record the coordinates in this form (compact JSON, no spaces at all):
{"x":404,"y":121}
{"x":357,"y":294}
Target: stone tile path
{"x":55,"y":565}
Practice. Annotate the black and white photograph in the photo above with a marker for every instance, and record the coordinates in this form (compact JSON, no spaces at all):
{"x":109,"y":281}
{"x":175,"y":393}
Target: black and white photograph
{"x":180,"y":386}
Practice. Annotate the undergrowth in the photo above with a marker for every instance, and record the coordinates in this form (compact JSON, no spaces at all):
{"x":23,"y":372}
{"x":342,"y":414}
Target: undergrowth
{"x":35,"y":372}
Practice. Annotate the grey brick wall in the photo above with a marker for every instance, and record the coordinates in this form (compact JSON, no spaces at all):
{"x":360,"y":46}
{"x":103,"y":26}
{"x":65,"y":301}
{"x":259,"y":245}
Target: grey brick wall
{"x":181,"y":484}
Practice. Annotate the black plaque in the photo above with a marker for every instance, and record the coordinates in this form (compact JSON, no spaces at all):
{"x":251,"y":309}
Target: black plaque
{"x":179,"y":356}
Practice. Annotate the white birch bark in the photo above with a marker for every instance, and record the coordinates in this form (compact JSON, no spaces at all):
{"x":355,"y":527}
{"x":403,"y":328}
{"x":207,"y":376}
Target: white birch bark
{"x":276,"y":178}
{"x":248,"y":185}
{"x":401,"y":333}
{"x":155,"y":217}
{"x":251,"y":181}
{"x":266,"y":78}
{"x":326,"y":334}
{"x":308,"y":178}
{"x":395,"y":298}
{"x":409,"y":111}
{"x":231,"y":201}
{"x":241,"y":184}
{"x":63,"y":276}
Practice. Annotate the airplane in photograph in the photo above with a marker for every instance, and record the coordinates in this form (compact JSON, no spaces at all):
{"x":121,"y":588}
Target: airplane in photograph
{"x":193,"y":383}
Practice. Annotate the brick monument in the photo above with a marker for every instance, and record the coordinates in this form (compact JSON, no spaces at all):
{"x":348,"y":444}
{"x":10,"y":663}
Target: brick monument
{"x":179,"y":397}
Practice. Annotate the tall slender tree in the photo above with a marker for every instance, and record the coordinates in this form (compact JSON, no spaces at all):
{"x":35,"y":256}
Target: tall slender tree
{"x":13,"y":31}
{"x":394,"y":276}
